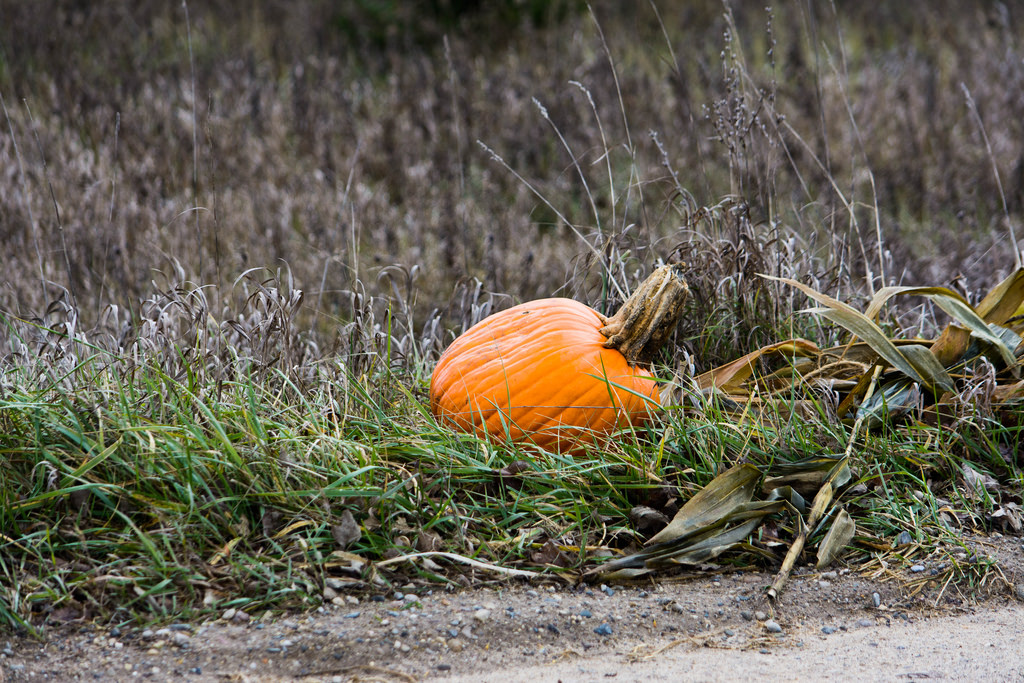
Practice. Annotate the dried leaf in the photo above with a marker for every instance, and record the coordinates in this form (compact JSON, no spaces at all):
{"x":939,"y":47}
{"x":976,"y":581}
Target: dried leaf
{"x":895,"y":400}
{"x":790,"y":494}
{"x":1004,"y":301}
{"x":645,"y":518}
{"x":711,"y":547}
{"x":713,"y":502}
{"x":998,"y":307}
{"x":1011,"y":517}
{"x":270,"y":521}
{"x":991,"y":334}
{"x":698,"y":547}
{"x":908,"y":359}
{"x":978,"y":483}
{"x":347,"y":531}
{"x":838,"y":537}
{"x":509,"y":475}
{"x":821,"y":467}
{"x":551,"y":554}
{"x":428,"y":541}
{"x":729,"y":377}
{"x":883,"y":295}
{"x":914,"y":360}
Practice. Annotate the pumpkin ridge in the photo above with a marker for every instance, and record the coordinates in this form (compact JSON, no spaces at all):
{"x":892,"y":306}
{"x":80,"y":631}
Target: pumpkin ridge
{"x":511,"y":361}
{"x":474,"y":411}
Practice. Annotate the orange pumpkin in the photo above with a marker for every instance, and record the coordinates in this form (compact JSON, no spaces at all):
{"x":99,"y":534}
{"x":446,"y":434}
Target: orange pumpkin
{"x":555,"y":372}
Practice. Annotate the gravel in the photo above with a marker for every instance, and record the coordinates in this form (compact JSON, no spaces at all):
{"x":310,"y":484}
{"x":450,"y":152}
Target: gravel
{"x":475,"y":633}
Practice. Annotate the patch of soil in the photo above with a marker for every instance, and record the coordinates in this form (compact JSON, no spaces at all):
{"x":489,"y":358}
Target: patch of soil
{"x":837,"y":625}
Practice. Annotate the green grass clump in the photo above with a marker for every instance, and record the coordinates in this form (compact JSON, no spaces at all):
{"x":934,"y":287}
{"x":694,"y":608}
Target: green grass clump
{"x":132,"y":495}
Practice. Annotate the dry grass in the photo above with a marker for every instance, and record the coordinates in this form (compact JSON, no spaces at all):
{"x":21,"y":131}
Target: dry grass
{"x":287,"y":144}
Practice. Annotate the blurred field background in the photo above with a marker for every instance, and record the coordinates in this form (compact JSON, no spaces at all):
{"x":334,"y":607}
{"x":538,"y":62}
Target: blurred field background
{"x":151,"y":144}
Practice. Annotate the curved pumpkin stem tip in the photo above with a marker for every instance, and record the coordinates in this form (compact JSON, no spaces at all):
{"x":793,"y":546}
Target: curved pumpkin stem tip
{"x":644,"y":323}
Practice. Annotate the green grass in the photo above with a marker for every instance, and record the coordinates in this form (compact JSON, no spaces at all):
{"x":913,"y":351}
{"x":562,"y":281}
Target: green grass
{"x":132,"y":495}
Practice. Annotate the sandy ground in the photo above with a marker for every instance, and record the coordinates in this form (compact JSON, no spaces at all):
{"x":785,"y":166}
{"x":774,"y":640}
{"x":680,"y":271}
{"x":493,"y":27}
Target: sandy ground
{"x":983,"y":646}
{"x":834,"y":625}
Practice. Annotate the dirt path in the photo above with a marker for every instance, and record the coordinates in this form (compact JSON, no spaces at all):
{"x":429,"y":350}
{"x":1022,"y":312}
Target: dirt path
{"x":829,"y":626}
{"x":981,"y":646}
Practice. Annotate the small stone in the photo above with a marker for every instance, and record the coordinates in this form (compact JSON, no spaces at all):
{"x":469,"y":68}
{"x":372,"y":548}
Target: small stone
{"x":604,"y":629}
{"x":903,"y":538}
{"x":455,"y":645}
{"x":240,"y":617}
{"x":229,"y":614}
{"x":729,"y":633}
{"x":148,"y":634}
{"x":827,"y":630}
{"x":351,"y":600}
{"x":411,"y":598}
{"x":876,"y":599}
{"x":482,"y":615}
{"x":330,"y":594}
{"x":585,"y":613}
{"x":351,"y":615}
{"x":444,"y":667}
{"x":760,"y":616}
{"x":1018,"y":590}
{"x":181,"y":639}
{"x":747,"y":616}
{"x":286,"y":643}
{"x":917,"y":568}
{"x":772,"y":626}
{"x":864,"y":623}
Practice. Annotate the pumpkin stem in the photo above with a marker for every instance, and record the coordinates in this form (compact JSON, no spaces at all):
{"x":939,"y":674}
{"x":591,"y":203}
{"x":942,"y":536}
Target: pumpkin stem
{"x":641,"y":327}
